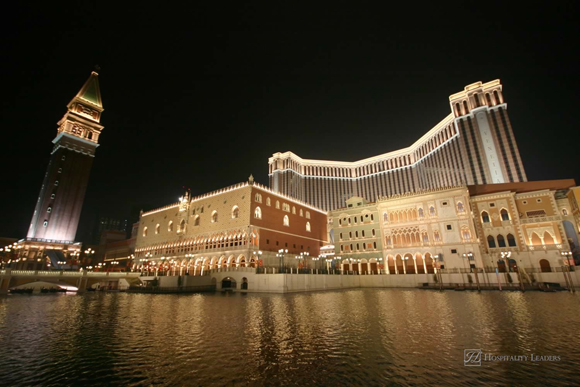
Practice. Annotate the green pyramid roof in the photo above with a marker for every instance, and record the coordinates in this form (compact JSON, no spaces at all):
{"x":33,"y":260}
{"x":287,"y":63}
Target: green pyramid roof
{"x":90,"y":91}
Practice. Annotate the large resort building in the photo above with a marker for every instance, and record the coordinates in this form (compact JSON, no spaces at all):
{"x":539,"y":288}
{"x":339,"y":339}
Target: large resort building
{"x":474,"y":144}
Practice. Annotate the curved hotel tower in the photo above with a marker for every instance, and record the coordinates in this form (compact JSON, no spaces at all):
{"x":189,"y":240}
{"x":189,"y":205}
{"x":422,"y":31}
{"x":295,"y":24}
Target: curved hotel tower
{"x":474,"y":144}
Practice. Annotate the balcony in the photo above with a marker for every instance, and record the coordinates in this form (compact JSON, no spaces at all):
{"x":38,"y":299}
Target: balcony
{"x":540,"y":219}
{"x":546,"y":247}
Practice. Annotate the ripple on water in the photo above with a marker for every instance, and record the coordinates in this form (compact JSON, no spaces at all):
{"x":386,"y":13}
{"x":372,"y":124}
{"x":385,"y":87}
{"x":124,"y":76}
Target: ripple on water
{"x":354,"y":337}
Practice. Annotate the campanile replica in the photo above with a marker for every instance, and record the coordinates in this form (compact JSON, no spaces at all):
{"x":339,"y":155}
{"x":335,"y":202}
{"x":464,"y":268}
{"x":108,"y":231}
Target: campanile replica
{"x":56,"y":216}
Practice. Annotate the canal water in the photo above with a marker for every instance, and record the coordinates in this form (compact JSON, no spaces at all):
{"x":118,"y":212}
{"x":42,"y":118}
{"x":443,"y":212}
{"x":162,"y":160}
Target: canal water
{"x":352,"y":337}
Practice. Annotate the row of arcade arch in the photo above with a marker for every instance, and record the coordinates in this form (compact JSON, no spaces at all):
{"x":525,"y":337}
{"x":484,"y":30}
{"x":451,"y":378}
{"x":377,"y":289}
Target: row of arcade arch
{"x":196,"y":266}
{"x":395,"y":264}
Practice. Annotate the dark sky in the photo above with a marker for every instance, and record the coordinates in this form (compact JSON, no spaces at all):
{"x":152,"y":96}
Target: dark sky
{"x":201,"y":96}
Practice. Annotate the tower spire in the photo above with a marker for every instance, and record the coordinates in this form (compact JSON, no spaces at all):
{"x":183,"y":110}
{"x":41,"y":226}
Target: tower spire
{"x":90,"y":93}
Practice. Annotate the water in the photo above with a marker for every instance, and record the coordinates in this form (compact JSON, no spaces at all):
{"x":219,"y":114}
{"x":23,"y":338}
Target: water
{"x":354,"y":337}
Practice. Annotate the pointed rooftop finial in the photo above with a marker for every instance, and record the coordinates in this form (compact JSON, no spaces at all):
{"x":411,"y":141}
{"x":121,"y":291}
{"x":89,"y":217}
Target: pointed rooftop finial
{"x":251,"y":179}
{"x":90,"y":92}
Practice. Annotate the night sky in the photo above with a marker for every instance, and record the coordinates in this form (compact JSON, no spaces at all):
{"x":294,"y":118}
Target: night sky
{"x":201,"y":97}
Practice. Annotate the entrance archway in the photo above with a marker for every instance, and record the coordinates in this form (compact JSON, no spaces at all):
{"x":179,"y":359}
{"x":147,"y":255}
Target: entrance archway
{"x":228,"y":283}
{"x":244,"y":284}
{"x":545,"y":266}
{"x":345,"y":266}
{"x":374,"y":266}
{"x":420,"y":266}
{"x":410,"y":264}
{"x":429,"y":263}
{"x":399,"y":263}
{"x":364,"y":266}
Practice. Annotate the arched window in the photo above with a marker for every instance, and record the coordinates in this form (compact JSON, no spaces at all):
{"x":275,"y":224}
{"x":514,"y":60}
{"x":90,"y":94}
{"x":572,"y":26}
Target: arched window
{"x":49,"y":210}
{"x":157,"y":228}
{"x":196,"y":223}
{"x":485,"y":217}
{"x":277,"y":204}
{"x":308,"y":226}
{"x":511,"y":240}
{"x":45,"y":224}
{"x":490,"y":242}
{"x":564,"y":212}
{"x":258,"y":198}
{"x":385,"y":217}
{"x":214,"y":217}
{"x":372,"y":218}
{"x":235,"y":212}
{"x":293,"y":210}
{"x":432,"y":211}
{"x":182,"y":226}
{"x":302,"y":213}
{"x":356,"y":234}
{"x":258,"y":213}
{"x":268,"y":201}
{"x":170,"y":226}
{"x":466,"y":234}
{"x":500,"y":241}
{"x":373,"y":231}
{"x":144,"y":231}
{"x":436,"y":236}
{"x":425,"y":237}
{"x":286,"y":220}
{"x":504,"y":214}
{"x":307,"y":214}
{"x":460,"y":207}
{"x":465,"y":108}
{"x":421,"y":213}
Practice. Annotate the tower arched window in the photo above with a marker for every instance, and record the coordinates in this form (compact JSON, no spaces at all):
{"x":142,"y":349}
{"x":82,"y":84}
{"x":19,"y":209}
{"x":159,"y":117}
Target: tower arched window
{"x":286,"y":220}
{"x":258,"y":198}
{"x":490,"y":242}
{"x":421,"y":213}
{"x":432,"y":211}
{"x":235,"y":212}
{"x":504,"y":214}
{"x":268,"y":201}
{"x":258,"y":213}
{"x":465,"y":108}
{"x":49,"y":209}
{"x":496,"y":95}
{"x":460,"y":207}
{"x":488,"y":99}
{"x":301,"y":212}
{"x":485,"y":217}
{"x":45,"y":224}
{"x":308,"y":226}
{"x":293,"y":210}
{"x":214,"y":217}
{"x":500,"y":241}
{"x":182,"y":226}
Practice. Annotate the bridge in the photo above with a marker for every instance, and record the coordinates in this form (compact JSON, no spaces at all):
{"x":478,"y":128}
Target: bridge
{"x":79,"y":279}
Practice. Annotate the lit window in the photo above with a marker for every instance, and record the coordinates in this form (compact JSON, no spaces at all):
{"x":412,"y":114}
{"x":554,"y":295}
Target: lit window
{"x":170,"y":226}
{"x":504,"y":214}
{"x":49,"y":209}
{"x":60,"y":170}
{"x":293,"y":210}
{"x":421,"y":213}
{"x":196,"y":222}
{"x":564,"y":212}
{"x":52,"y":196}
{"x":286,"y":220}
{"x":145,"y":231}
{"x":214,"y":217}
{"x":308,"y":226}
{"x":307,"y":214}
{"x":157,"y":229}
{"x":277,"y":204}
{"x":485,"y":217}
{"x":258,"y":213}
{"x":432,"y":211}
{"x":258,"y":198}
{"x":286,"y":207}
{"x":267,"y":201}
{"x":235,"y":212}
{"x":182,"y":226}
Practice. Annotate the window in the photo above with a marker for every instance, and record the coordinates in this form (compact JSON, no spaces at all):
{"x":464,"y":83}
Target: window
{"x":340,"y":236}
{"x":373,"y":232}
{"x":308,"y":215}
{"x":490,"y":242}
{"x":538,"y":200}
{"x":485,"y":217}
{"x":49,"y":209}
{"x":258,"y":198}
{"x":436,"y":236}
{"x":372,"y":217}
{"x":268,"y":202}
{"x":157,"y":228}
{"x":375,"y":245}
{"x":201,"y":209}
{"x":293,"y":210}
{"x":449,"y":227}
{"x":308,"y":226}
{"x":432,"y":211}
{"x":385,"y":217}
{"x":356,"y":234}
{"x":258,"y":213}
{"x":444,"y":204}
{"x":56,"y":183}
{"x":350,"y":234}
{"x":196,"y":222}
{"x":460,"y":207}
{"x":144,"y":230}
{"x":286,"y":221}
{"x":170,"y":225}
{"x":286,"y":207}
{"x":45,"y":223}
{"x":500,"y":241}
{"x":235,"y":212}
{"x":425,"y":237}
{"x":277,"y":204}
{"x":453,"y":251}
{"x":214,"y":217}
{"x":421,"y":213}
{"x":564,"y":211}
{"x":525,"y":202}
{"x":60,"y":170}
{"x":492,"y":204}
{"x":511,"y":240}
{"x":302,"y":213}
{"x":52,"y":196}
{"x":504,"y":214}
{"x":466,"y":234}
{"x":182,"y":226}
{"x":363,"y":233}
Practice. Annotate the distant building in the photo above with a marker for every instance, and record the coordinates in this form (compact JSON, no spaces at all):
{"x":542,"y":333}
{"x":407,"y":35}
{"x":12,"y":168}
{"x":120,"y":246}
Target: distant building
{"x":51,"y":235}
{"x":238,"y":226}
{"x":473,"y":145}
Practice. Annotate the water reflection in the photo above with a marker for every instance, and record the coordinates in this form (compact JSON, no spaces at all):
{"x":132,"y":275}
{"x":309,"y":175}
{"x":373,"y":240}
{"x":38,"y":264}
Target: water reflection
{"x":366,"y":336}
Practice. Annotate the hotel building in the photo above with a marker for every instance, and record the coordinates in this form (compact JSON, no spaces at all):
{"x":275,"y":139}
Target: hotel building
{"x":474,"y":144}
{"x":244,"y":225}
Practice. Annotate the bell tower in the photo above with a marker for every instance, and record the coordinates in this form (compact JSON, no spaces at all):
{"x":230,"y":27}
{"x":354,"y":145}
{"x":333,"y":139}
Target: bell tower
{"x":58,"y":208}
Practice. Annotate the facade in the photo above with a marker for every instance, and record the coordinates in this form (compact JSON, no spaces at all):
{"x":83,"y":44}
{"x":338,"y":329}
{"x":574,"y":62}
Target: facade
{"x":358,"y":245}
{"x":474,"y":144}
{"x":486,"y":227}
{"x":58,"y":208}
{"x":238,"y":226}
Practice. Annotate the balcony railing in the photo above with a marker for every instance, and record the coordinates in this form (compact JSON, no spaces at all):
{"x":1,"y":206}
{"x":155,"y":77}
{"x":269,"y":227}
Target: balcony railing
{"x":539,"y":219}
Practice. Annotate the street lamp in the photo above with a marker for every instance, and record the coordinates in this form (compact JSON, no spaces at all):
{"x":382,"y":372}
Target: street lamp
{"x":566,"y":255}
{"x":280,"y":256}
{"x":566,"y":269}
{"x":472,"y":266}
{"x":304,"y":256}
